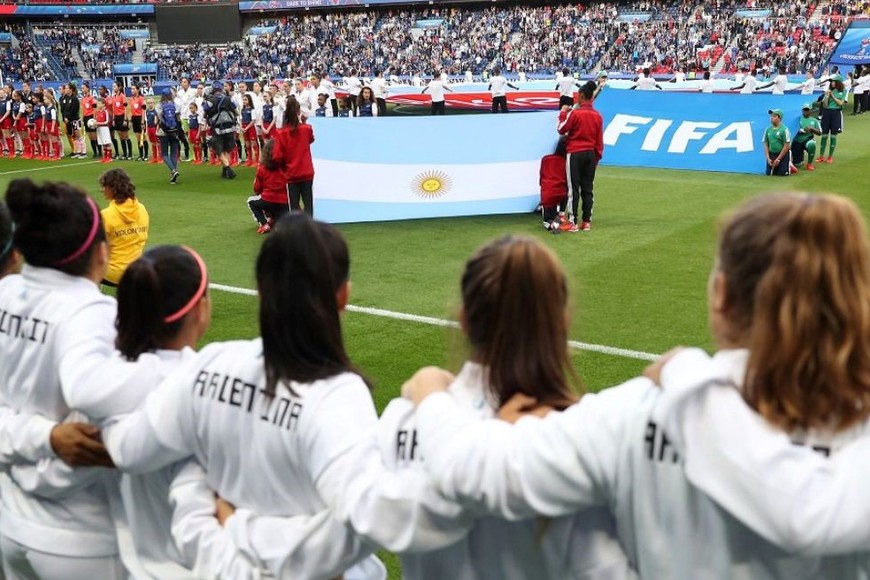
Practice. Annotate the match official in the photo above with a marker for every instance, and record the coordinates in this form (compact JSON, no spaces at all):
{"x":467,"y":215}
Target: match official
{"x":805,"y":140}
{"x":498,"y":87}
{"x":584,"y":129}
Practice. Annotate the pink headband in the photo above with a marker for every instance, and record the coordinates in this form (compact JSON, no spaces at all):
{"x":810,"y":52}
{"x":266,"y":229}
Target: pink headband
{"x":200,"y":292}
{"x":89,"y":240}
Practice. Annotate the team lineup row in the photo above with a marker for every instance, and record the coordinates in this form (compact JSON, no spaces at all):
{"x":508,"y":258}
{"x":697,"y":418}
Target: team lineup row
{"x":624,"y":483}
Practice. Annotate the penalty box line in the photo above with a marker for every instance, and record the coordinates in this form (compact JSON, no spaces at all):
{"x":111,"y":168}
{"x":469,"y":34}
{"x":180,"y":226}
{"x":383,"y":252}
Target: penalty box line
{"x":431,"y":321}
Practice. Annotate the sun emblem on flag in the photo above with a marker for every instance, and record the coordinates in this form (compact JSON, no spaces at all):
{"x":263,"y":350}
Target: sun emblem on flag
{"x":431,"y":184}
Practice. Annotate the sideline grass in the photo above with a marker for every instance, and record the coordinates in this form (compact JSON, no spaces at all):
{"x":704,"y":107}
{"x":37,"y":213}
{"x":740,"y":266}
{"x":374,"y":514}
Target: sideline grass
{"x":638,"y":278}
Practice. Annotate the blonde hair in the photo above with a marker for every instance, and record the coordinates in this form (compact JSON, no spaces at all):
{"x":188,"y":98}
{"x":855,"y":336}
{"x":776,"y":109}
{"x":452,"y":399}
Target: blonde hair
{"x":797,"y":285}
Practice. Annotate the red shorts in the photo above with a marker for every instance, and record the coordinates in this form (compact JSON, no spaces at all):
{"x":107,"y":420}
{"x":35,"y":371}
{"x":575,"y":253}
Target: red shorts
{"x":152,"y":134}
{"x":6,"y":124}
{"x":31,"y":133}
{"x":251,"y":133}
{"x":52,"y":128}
{"x":40,"y":124}
{"x":193,"y":135}
{"x":267,"y":133}
{"x":21,"y":124}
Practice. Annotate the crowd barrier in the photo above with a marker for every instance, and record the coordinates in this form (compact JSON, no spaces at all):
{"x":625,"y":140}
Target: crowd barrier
{"x":407,"y":168}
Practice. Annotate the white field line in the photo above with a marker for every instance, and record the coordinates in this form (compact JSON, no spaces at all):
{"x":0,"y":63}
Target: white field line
{"x":47,"y":167}
{"x":599,"y":348}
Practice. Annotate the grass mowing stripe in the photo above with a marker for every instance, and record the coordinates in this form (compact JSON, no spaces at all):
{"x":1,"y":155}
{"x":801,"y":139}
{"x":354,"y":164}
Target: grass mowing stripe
{"x":49,"y":167}
{"x":599,"y":348}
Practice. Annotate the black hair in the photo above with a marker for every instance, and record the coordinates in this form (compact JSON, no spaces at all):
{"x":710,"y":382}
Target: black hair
{"x":153,"y":287}
{"x":302,"y":341}
{"x":6,"y":231}
{"x":291,"y":114}
{"x":706,"y":75}
{"x":52,"y":221}
{"x":588,"y":89}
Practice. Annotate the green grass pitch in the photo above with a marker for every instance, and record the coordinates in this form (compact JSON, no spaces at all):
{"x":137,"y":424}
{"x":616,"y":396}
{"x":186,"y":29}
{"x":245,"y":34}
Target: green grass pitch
{"x":638,"y":279}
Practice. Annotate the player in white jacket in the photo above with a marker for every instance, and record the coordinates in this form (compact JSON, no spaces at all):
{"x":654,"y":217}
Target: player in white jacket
{"x":56,"y":334}
{"x":271,"y":420}
{"x":391,"y":500}
{"x":795,"y":467}
{"x":789,"y":255}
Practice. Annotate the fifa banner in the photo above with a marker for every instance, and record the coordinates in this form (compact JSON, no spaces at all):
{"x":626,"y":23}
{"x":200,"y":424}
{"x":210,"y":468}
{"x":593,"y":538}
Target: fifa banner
{"x":854,"y":46}
{"x":394,"y":168}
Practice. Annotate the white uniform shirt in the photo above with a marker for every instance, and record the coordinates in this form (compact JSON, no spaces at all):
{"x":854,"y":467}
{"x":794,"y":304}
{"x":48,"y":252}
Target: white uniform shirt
{"x":607,"y":450}
{"x":858,"y":87}
{"x":646,"y":84}
{"x":282,"y":456}
{"x":436,"y":89}
{"x":416,"y":81}
{"x":328,"y":87}
{"x":354,"y":85}
{"x":806,"y":492}
{"x":566,"y":86}
{"x":780,"y":84}
{"x":749,"y":84}
{"x":808,"y":86}
{"x":56,"y":335}
{"x":498,"y":86}
{"x":707,"y":86}
{"x":185,"y":97}
{"x":391,"y":501}
{"x":469,"y":76}
{"x":680,"y":76}
{"x":379,"y":87}
{"x":522,"y":76}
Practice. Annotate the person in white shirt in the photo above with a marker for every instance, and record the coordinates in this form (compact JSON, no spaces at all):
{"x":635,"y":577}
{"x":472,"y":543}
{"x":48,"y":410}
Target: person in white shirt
{"x":416,"y":80}
{"x":679,"y":76}
{"x":779,"y":83}
{"x":521,"y":76}
{"x":794,"y":468}
{"x":304,"y":97}
{"x":498,"y":88}
{"x":379,"y":88}
{"x":327,"y":86}
{"x":353,"y":85}
{"x":271,"y":420}
{"x":610,"y":448}
{"x":706,"y":84}
{"x":436,"y":88}
{"x":750,"y":82}
{"x":389,"y":499}
{"x":864,"y":81}
{"x":444,"y":77}
{"x":646,"y":82}
{"x":566,"y":86}
{"x":54,"y":347}
{"x":809,"y":85}
{"x":394,"y":78}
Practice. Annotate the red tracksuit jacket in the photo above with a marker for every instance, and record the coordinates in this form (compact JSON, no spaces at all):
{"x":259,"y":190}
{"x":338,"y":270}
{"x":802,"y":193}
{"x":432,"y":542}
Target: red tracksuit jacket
{"x":271,"y":186}
{"x":584,"y":128}
{"x":553,"y":181}
{"x":293,"y":152}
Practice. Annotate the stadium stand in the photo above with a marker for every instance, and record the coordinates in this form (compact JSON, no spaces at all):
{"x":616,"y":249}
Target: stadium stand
{"x":693,"y":35}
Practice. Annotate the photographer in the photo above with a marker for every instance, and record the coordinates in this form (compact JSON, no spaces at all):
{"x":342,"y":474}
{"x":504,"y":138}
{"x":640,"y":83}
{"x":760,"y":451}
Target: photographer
{"x":220,"y":113}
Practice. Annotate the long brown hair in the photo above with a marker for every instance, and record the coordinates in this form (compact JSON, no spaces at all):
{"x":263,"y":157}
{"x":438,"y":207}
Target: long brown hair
{"x":515,"y":300}
{"x":797,"y":285}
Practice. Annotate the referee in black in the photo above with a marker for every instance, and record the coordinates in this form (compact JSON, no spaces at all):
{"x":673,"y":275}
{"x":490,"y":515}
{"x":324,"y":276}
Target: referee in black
{"x":583,"y":128}
{"x":70,"y":112}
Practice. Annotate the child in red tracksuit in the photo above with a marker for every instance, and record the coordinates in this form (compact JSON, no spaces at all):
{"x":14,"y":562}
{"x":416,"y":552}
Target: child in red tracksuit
{"x":554,"y":188}
{"x":269,"y":202}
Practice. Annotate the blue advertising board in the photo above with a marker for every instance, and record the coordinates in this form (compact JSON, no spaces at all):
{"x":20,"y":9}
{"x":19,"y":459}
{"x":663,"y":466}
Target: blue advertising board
{"x":854,"y":46}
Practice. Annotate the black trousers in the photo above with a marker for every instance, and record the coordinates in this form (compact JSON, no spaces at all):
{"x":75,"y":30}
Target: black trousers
{"x":566,"y":101}
{"x":259,"y":208}
{"x":382,"y":106}
{"x":581,"y":175}
{"x":438,"y":108}
{"x":182,"y":138}
{"x":301,"y":190}
{"x":499,"y":105}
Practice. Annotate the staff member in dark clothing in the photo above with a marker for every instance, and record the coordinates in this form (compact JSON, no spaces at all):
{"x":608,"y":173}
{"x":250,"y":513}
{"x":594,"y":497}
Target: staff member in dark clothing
{"x":220,"y":112}
{"x":584,"y":131}
{"x":69,"y":112}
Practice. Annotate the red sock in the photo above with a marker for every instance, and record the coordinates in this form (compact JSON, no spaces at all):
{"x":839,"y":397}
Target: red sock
{"x":44,"y":146}
{"x":256,"y":158}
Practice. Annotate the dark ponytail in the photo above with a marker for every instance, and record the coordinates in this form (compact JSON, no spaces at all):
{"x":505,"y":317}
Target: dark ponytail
{"x":291,"y":114}
{"x":301,"y":267}
{"x":53,"y":221}
{"x":153,"y":288}
{"x":6,"y":234}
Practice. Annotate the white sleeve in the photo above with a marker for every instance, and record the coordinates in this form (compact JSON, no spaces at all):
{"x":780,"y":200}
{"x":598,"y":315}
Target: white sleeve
{"x":206,"y":547}
{"x":552,"y":467}
{"x":53,"y":479}
{"x":394,"y":504}
{"x":24,"y":437}
{"x":790,"y":495}
{"x":93,"y":382}
{"x":157,"y":434}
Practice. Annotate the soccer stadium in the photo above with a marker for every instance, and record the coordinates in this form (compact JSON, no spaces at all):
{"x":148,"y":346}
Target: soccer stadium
{"x":285,"y":294}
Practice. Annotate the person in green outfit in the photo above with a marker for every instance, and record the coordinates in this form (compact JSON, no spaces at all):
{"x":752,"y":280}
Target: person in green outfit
{"x":832,"y":116}
{"x":777,"y":139}
{"x":805,"y":140}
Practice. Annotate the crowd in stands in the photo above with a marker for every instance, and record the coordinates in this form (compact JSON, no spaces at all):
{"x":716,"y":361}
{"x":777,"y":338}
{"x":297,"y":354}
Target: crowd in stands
{"x":24,"y":62}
